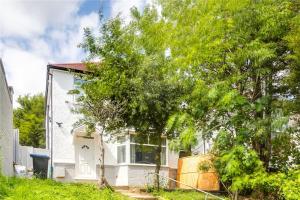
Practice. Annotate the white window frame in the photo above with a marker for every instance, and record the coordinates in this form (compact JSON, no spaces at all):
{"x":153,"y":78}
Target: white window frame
{"x":150,"y":145}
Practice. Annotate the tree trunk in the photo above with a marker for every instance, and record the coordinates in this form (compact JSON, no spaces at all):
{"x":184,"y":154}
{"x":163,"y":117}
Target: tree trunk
{"x":268,"y":117}
{"x":158,"y":162}
{"x":263,"y":87}
{"x":236,"y":195}
{"x":102,"y":181}
{"x":257,"y":93}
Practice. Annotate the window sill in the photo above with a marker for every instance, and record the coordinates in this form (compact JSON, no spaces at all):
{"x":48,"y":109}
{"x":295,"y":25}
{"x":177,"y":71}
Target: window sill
{"x":92,"y":178}
{"x":140,"y":164}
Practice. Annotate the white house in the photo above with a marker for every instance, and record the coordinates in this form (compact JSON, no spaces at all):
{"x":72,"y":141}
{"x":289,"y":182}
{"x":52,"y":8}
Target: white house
{"x":6,"y":125}
{"x":74,"y":155}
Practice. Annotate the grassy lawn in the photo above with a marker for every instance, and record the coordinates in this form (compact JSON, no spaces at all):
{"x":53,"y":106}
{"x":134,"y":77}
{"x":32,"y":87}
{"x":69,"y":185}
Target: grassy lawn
{"x":35,"y":189}
{"x":182,"y":195}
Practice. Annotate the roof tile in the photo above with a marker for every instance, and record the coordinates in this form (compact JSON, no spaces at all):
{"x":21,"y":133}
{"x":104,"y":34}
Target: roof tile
{"x":72,"y":66}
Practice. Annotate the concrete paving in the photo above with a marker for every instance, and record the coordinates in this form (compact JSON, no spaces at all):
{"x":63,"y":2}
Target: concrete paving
{"x":137,"y":194}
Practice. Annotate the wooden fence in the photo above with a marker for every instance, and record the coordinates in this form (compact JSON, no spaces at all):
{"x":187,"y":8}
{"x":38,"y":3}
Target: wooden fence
{"x":189,"y":173}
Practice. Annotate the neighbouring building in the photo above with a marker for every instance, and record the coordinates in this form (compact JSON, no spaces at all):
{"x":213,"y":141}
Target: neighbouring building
{"x":74,"y":156}
{"x":6,"y":125}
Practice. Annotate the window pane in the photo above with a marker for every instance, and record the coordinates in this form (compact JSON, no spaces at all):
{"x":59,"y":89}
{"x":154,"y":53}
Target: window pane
{"x":163,"y":156}
{"x":142,"y":154}
{"x":121,"y":139}
{"x":145,"y":154}
{"x":135,"y":138}
{"x":121,"y":154}
{"x":155,"y":142}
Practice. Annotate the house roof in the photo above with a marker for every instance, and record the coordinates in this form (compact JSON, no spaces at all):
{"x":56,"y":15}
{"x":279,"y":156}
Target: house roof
{"x":69,"y":66}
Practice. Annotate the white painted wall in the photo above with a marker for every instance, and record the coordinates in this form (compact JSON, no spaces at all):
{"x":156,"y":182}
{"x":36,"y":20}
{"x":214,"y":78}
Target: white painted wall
{"x":23,"y":155}
{"x":6,"y":126}
{"x":63,"y":148}
{"x":64,"y":142}
{"x":141,"y":175}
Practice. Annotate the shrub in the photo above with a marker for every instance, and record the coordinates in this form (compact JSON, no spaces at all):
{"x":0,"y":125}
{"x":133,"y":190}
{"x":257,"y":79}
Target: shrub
{"x":278,"y":185}
{"x":241,"y":169}
{"x":237,"y":167}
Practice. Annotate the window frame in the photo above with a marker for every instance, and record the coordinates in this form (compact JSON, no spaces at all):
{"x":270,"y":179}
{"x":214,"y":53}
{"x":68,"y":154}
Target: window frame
{"x":125,"y":153}
{"x":164,"y":145}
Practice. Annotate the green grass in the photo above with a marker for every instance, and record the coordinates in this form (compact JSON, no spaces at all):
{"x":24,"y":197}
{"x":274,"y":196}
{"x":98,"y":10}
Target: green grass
{"x":36,"y":189}
{"x":182,"y":195}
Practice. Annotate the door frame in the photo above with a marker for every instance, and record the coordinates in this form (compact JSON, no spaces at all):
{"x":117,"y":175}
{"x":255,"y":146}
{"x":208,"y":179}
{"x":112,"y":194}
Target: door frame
{"x":80,"y":141}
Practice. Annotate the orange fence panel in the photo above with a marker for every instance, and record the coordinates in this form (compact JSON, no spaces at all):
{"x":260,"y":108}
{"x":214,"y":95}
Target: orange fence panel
{"x":188,"y":173}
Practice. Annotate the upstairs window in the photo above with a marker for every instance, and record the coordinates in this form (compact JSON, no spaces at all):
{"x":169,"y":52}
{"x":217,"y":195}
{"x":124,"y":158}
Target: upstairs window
{"x":77,"y":86}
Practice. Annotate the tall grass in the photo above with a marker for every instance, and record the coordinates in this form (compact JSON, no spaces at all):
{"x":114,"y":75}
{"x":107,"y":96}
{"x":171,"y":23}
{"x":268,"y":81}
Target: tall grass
{"x":36,"y":189}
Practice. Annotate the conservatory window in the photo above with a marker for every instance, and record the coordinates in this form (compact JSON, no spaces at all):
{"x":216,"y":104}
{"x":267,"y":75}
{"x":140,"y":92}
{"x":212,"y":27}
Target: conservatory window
{"x":144,"y":152}
{"x":121,"y":154}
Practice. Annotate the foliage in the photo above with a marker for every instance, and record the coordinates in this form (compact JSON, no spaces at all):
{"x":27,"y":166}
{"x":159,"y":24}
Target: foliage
{"x":98,"y":113}
{"x":290,"y":188}
{"x":135,"y":72}
{"x":205,"y":166}
{"x":213,"y":69}
{"x":277,"y":185}
{"x":29,"y":119}
{"x":241,"y":63}
{"x":33,"y":189}
{"x":238,"y":166}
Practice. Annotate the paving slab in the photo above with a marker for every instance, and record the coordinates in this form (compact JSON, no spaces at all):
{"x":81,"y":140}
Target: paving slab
{"x":137,"y":195}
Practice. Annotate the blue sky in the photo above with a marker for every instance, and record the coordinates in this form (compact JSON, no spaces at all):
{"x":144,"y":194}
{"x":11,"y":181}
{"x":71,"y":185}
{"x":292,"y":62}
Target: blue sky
{"x":34,"y":33}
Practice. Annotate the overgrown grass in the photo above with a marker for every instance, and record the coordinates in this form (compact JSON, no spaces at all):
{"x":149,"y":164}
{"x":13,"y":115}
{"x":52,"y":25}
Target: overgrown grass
{"x":181,"y":195}
{"x":37,"y":189}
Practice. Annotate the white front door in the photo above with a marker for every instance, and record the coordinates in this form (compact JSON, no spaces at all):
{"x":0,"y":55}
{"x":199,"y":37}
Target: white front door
{"x":85,"y":165}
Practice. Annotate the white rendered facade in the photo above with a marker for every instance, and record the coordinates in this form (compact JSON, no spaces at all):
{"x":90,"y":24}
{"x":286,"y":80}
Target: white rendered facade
{"x":6,"y":125}
{"x":74,"y":156}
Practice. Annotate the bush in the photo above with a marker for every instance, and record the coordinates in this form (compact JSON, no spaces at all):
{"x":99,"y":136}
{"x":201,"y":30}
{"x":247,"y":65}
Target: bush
{"x":237,"y":167}
{"x":243,"y":172}
{"x":279,"y":185}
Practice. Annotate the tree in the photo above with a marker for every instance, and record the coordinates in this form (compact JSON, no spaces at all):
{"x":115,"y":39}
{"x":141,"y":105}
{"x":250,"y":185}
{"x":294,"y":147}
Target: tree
{"x":29,"y":119}
{"x":243,"y":63}
{"x":137,"y":72}
{"x":99,"y":114}
{"x":216,"y":69}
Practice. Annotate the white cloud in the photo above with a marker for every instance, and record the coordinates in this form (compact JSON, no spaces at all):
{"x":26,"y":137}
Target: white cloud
{"x":70,"y":39}
{"x":35,"y":33}
{"x":30,"y":18}
{"x":123,"y":7}
{"x":25,"y":70}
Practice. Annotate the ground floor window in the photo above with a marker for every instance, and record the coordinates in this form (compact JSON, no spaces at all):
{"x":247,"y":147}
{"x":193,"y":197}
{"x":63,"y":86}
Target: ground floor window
{"x":145,"y":154}
{"x":121,"y":154}
{"x":142,"y":151}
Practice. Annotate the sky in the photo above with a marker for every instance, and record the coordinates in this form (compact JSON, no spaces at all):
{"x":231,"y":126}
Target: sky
{"x":34,"y":33}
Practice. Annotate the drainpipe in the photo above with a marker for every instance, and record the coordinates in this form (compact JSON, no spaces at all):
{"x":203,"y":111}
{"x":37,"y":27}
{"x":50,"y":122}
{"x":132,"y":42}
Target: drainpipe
{"x":51,"y":131}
